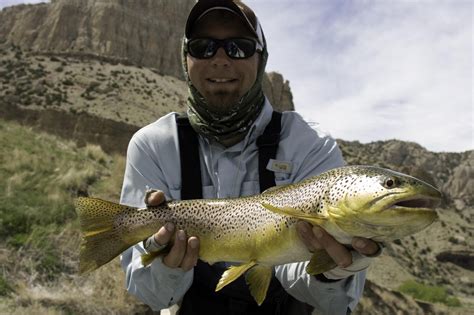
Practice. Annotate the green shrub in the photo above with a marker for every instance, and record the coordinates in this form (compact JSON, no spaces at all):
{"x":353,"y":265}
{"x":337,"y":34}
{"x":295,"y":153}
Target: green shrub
{"x":5,"y":288}
{"x":433,"y":294}
{"x":68,"y":82}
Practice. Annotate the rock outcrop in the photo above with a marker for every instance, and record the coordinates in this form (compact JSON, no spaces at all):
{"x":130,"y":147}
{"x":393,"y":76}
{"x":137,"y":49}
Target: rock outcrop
{"x":278,"y":91}
{"x":83,"y":128}
{"x":464,"y":259}
{"x":461,"y":183}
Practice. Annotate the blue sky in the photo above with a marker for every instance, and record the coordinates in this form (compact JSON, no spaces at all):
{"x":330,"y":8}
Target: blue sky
{"x":376,"y":70}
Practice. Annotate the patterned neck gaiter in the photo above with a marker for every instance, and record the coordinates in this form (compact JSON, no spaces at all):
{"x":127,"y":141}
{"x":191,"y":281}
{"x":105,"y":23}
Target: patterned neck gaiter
{"x":224,"y":126}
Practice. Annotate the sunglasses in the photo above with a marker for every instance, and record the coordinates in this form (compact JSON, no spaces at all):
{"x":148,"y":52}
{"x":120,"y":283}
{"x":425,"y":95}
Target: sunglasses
{"x":235,"y":48}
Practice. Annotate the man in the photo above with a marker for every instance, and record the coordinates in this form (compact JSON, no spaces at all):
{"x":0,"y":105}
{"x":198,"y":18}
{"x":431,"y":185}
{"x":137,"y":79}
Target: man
{"x":224,"y":56}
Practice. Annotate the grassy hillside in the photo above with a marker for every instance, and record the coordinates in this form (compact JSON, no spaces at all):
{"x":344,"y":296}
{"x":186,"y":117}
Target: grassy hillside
{"x":77,"y":84}
{"x":39,"y":237}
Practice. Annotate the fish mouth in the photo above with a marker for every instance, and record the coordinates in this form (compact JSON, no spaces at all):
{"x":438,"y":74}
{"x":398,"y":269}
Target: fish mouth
{"x":398,"y":215}
{"x":415,"y":202}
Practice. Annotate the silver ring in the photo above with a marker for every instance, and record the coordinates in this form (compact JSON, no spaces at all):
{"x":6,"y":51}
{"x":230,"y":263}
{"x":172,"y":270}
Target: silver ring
{"x":152,"y":246}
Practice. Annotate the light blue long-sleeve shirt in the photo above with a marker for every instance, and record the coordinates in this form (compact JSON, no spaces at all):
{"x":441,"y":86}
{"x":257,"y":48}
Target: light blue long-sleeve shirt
{"x":153,"y":161}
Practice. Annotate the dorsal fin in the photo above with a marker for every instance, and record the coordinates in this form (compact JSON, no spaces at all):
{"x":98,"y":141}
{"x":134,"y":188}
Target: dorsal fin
{"x":295,"y":213}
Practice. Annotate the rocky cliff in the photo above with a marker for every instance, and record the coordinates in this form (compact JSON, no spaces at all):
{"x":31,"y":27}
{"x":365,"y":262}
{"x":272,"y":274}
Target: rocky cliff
{"x":145,"y":32}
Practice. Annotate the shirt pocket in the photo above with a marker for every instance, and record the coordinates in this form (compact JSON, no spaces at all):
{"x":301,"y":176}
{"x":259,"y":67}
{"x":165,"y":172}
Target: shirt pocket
{"x":282,"y":178}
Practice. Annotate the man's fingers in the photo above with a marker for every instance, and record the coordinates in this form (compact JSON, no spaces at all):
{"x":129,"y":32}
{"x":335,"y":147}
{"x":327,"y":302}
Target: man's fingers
{"x":306,"y":235}
{"x":176,"y":254}
{"x":315,"y":237}
{"x":155,"y":198}
{"x":338,"y":252}
{"x":192,"y":254}
{"x":365,"y":246}
{"x":164,"y":235}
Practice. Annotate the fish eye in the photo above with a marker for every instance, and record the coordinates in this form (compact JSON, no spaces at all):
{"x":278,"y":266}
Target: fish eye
{"x":390,"y":183}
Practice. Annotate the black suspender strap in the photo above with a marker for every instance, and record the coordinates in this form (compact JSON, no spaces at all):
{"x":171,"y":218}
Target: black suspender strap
{"x":267,"y":145}
{"x":191,"y":185}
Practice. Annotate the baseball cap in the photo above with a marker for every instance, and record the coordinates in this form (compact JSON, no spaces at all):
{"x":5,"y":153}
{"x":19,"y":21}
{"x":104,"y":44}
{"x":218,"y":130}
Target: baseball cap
{"x":202,"y":7}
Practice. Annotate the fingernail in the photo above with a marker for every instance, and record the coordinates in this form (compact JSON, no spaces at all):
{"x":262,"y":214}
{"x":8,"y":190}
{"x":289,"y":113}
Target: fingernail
{"x":193,"y":243}
{"x":169,"y":227}
{"x":317,"y":232}
{"x":360,"y":244}
{"x":181,"y":235}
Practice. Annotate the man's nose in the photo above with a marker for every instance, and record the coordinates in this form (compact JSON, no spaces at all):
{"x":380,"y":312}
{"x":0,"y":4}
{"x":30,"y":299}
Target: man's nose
{"x":220,"y":58}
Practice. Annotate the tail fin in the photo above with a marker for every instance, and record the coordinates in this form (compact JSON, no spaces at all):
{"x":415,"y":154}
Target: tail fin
{"x":101,"y":241}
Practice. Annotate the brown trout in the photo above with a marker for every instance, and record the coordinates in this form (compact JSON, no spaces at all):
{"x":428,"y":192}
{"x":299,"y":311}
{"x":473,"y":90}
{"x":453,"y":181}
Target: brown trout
{"x":259,"y":232}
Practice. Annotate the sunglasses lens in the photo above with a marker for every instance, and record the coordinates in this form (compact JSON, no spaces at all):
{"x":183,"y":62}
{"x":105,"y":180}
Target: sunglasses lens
{"x":235,"y":48}
{"x":240,"y":48}
{"x":202,"y":48}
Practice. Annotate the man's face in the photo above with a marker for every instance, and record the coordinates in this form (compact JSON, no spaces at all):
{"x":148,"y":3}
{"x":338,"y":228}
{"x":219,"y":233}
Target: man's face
{"x":222,"y":80}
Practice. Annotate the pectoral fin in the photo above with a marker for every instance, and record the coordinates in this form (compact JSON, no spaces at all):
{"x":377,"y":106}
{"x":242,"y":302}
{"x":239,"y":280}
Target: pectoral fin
{"x":320,"y":262}
{"x":232,"y":273}
{"x":292,"y":212}
{"x":149,"y":257}
{"x":258,"y":279}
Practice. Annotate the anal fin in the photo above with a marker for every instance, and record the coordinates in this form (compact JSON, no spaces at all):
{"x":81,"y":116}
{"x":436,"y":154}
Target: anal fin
{"x":232,"y":273}
{"x":320,"y":262}
{"x":258,"y":279}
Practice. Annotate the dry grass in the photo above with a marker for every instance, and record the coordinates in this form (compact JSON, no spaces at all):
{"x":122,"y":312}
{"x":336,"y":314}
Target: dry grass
{"x":100,"y":292}
{"x":110,"y":185}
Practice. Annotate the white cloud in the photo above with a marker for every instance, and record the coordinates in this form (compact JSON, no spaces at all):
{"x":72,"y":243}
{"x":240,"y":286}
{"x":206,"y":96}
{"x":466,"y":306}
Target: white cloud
{"x":375,"y":70}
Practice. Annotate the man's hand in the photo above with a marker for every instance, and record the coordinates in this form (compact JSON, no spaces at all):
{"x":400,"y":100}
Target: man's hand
{"x":185,"y":251}
{"x":315,"y":237}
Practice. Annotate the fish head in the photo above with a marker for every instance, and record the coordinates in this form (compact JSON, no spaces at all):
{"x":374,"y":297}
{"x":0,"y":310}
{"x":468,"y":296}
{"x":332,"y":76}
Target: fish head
{"x":381,"y":204}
